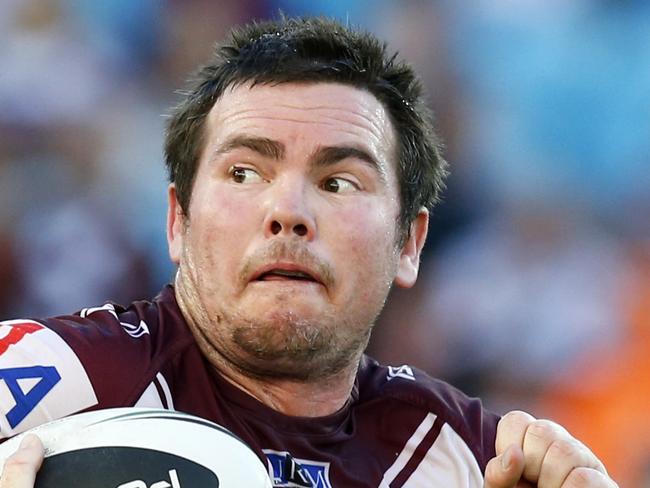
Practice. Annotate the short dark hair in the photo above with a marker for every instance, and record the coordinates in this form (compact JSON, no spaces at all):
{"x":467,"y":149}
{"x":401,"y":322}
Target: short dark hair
{"x":313,"y":50}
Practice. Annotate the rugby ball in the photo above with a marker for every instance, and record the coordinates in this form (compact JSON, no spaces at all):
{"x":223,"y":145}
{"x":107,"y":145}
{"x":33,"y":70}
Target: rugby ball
{"x":142,"y":448}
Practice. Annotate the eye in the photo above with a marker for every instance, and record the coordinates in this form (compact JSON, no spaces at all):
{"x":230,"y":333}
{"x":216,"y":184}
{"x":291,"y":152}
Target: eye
{"x":244,"y":175}
{"x":339,"y":185}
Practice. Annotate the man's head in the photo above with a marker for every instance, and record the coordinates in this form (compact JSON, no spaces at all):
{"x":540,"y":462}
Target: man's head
{"x":287,"y":197}
{"x":314,"y":50}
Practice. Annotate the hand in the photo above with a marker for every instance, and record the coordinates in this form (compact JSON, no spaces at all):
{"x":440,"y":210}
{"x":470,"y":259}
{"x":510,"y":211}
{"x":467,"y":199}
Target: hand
{"x":21,"y":467}
{"x":541,"y":453}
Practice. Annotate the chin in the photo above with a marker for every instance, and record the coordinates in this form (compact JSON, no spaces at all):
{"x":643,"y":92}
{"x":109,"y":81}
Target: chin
{"x":281,"y":306}
{"x":293,"y":349}
{"x":285,"y":333}
{"x":315,"y":365}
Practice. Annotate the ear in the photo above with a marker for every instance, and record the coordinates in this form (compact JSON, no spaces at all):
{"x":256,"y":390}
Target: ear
{"x":175,"y":225}
{"x":409,"y":260}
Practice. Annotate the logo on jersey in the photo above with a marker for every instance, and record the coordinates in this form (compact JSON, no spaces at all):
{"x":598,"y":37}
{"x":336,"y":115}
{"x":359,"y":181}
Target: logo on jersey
{"x":29,"y":384}
{"x":405,"y":372}
{"x":18,"y":330}
{"x":134,"y":331}
{"x":41,"y":378}
{"x":27,"y":398}
{"x":287,"y":471}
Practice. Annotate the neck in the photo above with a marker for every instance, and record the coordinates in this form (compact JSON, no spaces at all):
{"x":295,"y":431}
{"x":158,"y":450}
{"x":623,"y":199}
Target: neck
{"x":296,"y":398}
{"x":300,"y":398}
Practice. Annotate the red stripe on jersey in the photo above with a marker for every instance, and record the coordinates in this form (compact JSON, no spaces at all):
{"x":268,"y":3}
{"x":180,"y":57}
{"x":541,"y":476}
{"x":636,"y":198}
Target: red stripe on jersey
{"x":17,"y":332}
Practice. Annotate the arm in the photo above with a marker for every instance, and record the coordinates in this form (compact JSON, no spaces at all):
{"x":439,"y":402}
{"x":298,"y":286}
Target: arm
{"x":532,"y":452}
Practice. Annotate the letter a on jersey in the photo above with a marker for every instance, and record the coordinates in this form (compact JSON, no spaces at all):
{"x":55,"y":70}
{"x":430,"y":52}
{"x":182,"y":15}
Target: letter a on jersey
{"x":41,"y":377}
{"x":27,"y":398}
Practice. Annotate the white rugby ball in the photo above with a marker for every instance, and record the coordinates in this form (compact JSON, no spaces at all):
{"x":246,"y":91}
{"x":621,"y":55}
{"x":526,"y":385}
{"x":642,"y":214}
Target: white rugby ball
{"x":142,"y":448}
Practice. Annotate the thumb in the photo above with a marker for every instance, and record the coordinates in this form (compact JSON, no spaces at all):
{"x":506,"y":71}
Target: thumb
{"x":506,"y":469}
{"x":20,"y":468}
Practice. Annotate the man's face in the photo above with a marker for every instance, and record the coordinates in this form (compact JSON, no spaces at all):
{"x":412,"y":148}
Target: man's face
{"x":289,"y":247}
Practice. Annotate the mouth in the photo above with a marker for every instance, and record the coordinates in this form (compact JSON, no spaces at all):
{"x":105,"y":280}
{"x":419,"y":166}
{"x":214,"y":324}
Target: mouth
{"x":283,"y":272}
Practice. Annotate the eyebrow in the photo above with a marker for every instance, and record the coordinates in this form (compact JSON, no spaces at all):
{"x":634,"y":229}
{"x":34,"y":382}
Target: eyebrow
{"x":329,"y":155}
{"x":322,"y":156}
{"x":261,"y":145}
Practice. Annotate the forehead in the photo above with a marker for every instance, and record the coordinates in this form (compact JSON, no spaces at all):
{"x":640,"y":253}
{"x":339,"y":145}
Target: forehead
{"x":310,"y":113}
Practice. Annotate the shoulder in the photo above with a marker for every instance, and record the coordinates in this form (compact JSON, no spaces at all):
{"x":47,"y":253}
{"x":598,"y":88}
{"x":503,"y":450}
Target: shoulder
{"x":96,"y":358}
{"x":456,"y":417}
{"x":142,"y":325}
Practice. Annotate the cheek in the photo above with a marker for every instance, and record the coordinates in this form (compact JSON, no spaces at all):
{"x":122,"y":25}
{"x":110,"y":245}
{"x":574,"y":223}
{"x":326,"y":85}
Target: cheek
{"x":217,"y":230}
{"x":220,"y":217}
{"x":365,"y":242}
{"x":370,"y":226}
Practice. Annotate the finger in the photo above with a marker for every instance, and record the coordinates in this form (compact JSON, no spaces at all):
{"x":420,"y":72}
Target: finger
{"x":562,"y":458}
{"x":504,"y":470}
{"x":588,"y":478}
{"x":21,"y":467}
{"x":538,"y":438}
{"x":511,"y":430}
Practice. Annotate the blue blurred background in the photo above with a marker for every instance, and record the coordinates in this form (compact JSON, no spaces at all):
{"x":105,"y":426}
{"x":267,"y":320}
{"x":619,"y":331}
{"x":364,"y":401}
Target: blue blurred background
{"x":535,"y":285}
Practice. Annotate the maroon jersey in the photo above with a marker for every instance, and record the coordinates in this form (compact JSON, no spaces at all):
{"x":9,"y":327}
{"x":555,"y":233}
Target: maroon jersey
{"x":400,"y":427}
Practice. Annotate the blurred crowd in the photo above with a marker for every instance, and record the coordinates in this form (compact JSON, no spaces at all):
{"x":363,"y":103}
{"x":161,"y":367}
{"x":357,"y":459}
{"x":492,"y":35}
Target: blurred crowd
{"x":535,"y":287}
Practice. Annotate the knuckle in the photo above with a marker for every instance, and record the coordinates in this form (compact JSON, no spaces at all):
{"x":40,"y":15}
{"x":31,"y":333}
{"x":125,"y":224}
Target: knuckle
{"x":546,"y":429}
{"x":588,"y":478}
{"x":518,"y":416}
{"x":541,"y":428}
{"x":581,"y":478}
{"x":565,"y":448}
{"x":516,"y":421}
{"x":512,"y":428}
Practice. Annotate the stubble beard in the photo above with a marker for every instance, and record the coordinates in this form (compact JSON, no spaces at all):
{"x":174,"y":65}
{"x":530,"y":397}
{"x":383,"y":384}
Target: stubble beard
{"x":281,"y":345}
{"x":290,"y":348}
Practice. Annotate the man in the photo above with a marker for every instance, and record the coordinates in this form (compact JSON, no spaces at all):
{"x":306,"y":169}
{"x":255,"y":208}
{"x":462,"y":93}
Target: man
{"x":302,"y":163}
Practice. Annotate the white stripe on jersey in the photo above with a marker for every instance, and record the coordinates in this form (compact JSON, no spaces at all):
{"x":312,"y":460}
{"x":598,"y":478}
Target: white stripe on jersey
{"x":165,"y":388}
{"x":449,"y":462}
{"x":151,"y":396}
{"x":407,"y":452}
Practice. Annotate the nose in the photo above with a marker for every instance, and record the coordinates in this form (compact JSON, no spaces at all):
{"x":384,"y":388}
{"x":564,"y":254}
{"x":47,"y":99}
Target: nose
{"x":288,"y":213}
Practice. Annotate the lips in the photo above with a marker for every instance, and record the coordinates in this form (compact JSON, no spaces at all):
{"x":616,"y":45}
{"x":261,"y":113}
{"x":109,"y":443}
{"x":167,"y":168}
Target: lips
{"x":285,"y":272}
